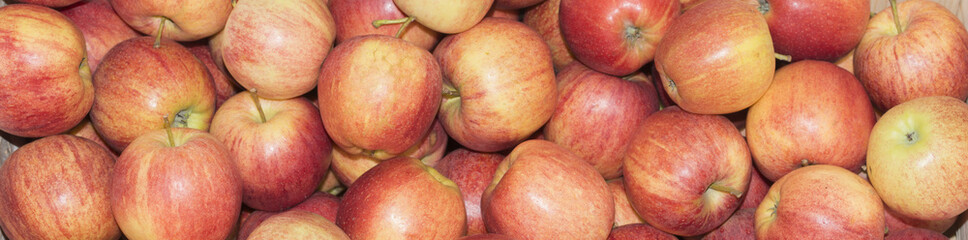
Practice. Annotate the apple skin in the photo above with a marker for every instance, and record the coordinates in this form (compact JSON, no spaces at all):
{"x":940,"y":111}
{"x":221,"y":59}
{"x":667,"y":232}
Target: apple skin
{"x":252,"y":221}
{"x":756,"y":192}
{"x":85,"y":129}
{"x":928,"y":58}
{"x":472,"y":172}
{"x":801,"y":118}
{"x":806,"y":29}
{"x":896,"y":222}
{"x":225,"y":86}
{"x":717,"y":58}
{"x":616,"y":37}
{"x":137,"y":85}
{"x":540,"y":183}
{"x":486,"y":236}
{"x":274,"y":47}
{"x":639,"y":231}
{"x":355,"y":18}
{"x":543,"y":18}
{"x":503,"y":80}
{"x":689,"y":4}
{"x":597,"y":114}
{"x":57,"y":188}
{"x":348,"y":167}
{"x":380,"y":95}
{"x":448,"y":17}
{"x":46,"y":87}
{"x":740,"y":226}
{"x":624,"y":212}
{"x":102,"y":28}
{"x":916,"y":234}
{"x":401,"y":198}
{"x":298,"y":224}
{"x":323,"y":204}
{"x":184,"y":20}
{"x":917,"y":156}
{"x":672,"y":163}
{"x":820,"y":202}
{"x":50,"y":3}
{"x":176,"y":201}
{"x":511,"y":14}
{"x":283,"y":159}
{"x":514,"y":4}
{"x":847,"y":62}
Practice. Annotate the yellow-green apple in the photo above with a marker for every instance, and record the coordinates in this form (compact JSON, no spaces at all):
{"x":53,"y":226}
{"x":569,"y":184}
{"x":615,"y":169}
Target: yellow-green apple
{"x":176,"y":183}
{"x":137,"y":84}
{"x":717,"y":58}
{"x":275,"y":47}
{"x":85,"y":129}
{"x":446,"y":16}
{"x":499,"y":84}
{"x":896,"y":222}
{"x":472,"y":172}
{"x":543,"y":18}
{"x":102,"y":28}
{"x":348,"y":167}
{"x":46,"y":87}
{"x":597,"y":114}
{"x":739,"y":226}
{"x":57,"y":188}
{"x":543,"y":191}
{"x":615,"y":37}
{"x":807,"y":29}
{"x":225,"y":86}
{"x":639,"y":231}
{"x":820,"y":202}
{"x":401,"y":198}
{"x":178,"y":20}
{"x":298,"y":224}
{"x":917,"y":156}
{"x":279,"y":146}
{"x":512,"y":14}
{"x":514,"y":4}
{"x":624,"y":213}
{"x":756,"y":191}
{"x":356,"y":17}
{"x":486,"y":236}
{"x":379,"y":95}
{"x":801,"y":120}
{"x":685,"y":172}
{"x":915,"y":233}
{"x":923,"y":52}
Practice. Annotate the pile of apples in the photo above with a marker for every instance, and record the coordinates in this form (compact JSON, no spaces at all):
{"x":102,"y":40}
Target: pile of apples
{"x":482,"y":119}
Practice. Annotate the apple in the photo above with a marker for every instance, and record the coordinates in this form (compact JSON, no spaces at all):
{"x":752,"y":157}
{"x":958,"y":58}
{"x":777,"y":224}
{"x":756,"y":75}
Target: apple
{"x":178,"y":20}
{"x":138,"y":84}
{"x":225,"y":86}
{"x":298,"y":224}
{"x":916,"y":157}
{"x":624,"y":212}
{"x":472,"y":172}
{"x":46,"y":87}
{"x":615,"y":37}
{"x":739,"y":226}
{"x":820,"y":202}
{"x":57,"y":188}
{"x":323,"y":204}
{"x":689,"y":4}
{"x":380,"y":95}
{"x":597,"y":114}
{"x":543,"y":191}
{"x":515,"y":4}
{"x":512,"y":14}
{"x":717,"y":58}
{"x":895,"y":222}
{"x":330,"y":182}
{"x":801,"y":120}
{"x":50,"y":3}
{"x":348,"y":167}
{"x":924,"y":52}
{"x":816,"y":29}
{"x":685,"y":172}
{"x":639,"y":231}
{"x":756,"y":191}
{"x":401,"y":198}
{"x":916,"y":233}
{"x":85,"y":129}
{"x":102,"y":28}
{"x":449,"y":17}
{"x":847,"y":62}
{"x":543,"y":18}
{"x":193,"y":191}
{"x":252,"y":221}
{"x":280,"y":147}
{"x":356,"y":18}
{"x":486,"y":236}
{"x":499,"y":84}
{"x":275,"y":47}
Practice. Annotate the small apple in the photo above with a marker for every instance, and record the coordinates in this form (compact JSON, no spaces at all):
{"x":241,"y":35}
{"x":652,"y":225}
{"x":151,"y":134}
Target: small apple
{"x":472,"y":172}
{"x":806,"y":29}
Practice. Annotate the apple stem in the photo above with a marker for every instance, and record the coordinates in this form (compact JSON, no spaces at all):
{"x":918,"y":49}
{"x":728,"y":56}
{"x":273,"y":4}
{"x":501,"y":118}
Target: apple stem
{"x":897,"y":19}
{"x":781,"y":57}
{"x":336,"y":191}
{"x":405,"y":21}
{"x":234,"y":2}
{"x":726,"y":189}
{"x":171,"y":139}
{"x":448,"y":94}
{"x":804,"y":162}
{"x":258,"y":106}
{"x":161,"y":27}
{"x":764,"y":6}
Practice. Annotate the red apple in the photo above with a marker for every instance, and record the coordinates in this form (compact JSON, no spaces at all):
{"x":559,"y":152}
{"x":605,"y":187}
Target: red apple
{"x":102,"y":28}
{"x":298,"y":224}
{"x":85,"y":129}
{"x":251,"y":222}
{"x":717,"y":58}
{"x":472,"y":172}
{"x":46,"y":87}
{"x":740,"y":226}
{"x":895,"y":222}
{"x":916,"y":234}
{"x":176,"y":184}
{"x":512,"y":14}
{"x":137,"y":84}
{"x":324,"y":204}
{"x":225,"y":86}
{"x":639,"y":231}
{"x":50,"y":3}
{"x":685,"y":173}
{"x":689,"y":4}
{"x":820,"y":202}
{"x":355,"y":18}
{"x":515,"y":4}
{"x":597,"y":114}
{"x":499,"y":84}
{"x":624,"y":212}
{"x":447,"y":17}
{"x":615,"y":37}
{"x":543,"y":191}
{"x":486,"y":236}
{"x":348,"y":167}
{"x":809,"y":29}
{"x":57,"y":188}
{"x":756,"y":192}
{"x":180,"y":20}
{"x":543,"y":18}
{"x":926,"y":55}
{"x":402,"y":198}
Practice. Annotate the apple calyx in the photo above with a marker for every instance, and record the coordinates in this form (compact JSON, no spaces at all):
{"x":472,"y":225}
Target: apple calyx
{"x":161,"y":28}
{"x":764,"y":6}
{"x":171,"y":138}
{"x":405,"y":21}
{"x":911,"y":138}
{"x":726,"y":189}
{"x":782,"y":57}
{"x":897,"y":18}
{"x":632,"y":33}
{"x":258,"y":106}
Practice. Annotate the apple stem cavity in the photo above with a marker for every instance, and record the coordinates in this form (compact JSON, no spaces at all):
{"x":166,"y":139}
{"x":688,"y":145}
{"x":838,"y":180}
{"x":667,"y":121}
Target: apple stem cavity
{"x":448,"y":94}
{"x":171,"y":139}
{"x":161,"y":28}
{"x":632,"y":32}
{"x":764,"y":6}
{"x":781,"y":57}
{"x":726,"y":189}
{"x":405,"y":21}
{"x":897,"y":19}
{"x":258,"y":106}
